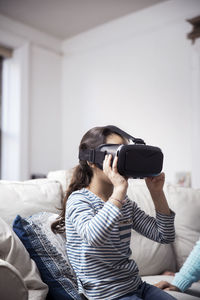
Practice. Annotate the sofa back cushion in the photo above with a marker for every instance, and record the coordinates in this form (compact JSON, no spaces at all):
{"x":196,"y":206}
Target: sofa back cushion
{"x":186,"y":203}
{"x":152,"y":258}
{"x":28,"y":197}
{"x":61,"y":176}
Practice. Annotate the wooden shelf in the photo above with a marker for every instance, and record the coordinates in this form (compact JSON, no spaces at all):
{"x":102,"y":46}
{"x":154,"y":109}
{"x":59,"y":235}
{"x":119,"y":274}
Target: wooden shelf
{"x":195,"y":33}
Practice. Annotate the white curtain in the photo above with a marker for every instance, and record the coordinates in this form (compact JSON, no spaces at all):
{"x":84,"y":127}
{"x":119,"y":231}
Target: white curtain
{"x":15,"y":108}
{"x":10,"y":119}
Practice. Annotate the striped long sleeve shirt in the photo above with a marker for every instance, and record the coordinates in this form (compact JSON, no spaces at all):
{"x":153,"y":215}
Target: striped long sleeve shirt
{"x":98,"y":243}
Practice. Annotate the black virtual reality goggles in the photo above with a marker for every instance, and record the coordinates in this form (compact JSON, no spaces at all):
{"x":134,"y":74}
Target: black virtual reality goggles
{"x":136,"y":160}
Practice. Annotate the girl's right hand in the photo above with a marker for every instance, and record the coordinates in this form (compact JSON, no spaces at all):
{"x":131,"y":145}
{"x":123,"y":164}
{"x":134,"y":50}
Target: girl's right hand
{"x":120,"y":183}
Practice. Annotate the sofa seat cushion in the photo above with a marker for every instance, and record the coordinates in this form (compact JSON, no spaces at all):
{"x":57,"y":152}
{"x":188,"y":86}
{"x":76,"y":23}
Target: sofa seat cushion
{"x":28,"y":197}
{"x":193,"y":293}
{"x":48,"y":251}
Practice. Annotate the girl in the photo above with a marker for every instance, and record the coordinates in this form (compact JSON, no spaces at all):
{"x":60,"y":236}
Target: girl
{"x":98,"y":218}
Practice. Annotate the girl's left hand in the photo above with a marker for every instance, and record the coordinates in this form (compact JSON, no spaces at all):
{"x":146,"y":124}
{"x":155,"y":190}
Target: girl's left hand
{"x":155,"y":184}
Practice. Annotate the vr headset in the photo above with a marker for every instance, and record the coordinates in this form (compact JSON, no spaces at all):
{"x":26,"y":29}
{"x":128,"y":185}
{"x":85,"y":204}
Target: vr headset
{"x":136,"y":160}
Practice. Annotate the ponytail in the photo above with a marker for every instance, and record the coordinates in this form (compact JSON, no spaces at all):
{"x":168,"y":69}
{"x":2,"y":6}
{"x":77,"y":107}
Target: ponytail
{"x":83,"y":173}
{"x":81,"y":178}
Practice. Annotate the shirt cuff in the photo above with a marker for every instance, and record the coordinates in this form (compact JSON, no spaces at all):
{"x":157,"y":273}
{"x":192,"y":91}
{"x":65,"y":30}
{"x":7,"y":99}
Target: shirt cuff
{"x":115,"y":210}
{"x":180,"y":282}
{"x":164,"y":216}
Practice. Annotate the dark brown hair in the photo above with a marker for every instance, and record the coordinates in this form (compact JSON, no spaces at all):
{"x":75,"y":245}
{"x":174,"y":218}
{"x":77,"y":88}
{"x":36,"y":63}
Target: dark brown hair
{"x":83,"y":173}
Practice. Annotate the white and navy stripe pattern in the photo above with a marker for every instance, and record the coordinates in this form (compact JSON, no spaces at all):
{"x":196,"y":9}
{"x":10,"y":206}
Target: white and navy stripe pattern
{"x":98,"y":240}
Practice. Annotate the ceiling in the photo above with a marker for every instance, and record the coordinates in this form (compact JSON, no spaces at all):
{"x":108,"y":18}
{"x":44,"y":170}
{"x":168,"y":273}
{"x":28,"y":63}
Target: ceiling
{"x":66,"y":18}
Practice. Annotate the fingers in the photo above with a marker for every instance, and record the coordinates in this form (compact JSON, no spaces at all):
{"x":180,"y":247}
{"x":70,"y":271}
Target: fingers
{"x":168,"y":273}
{"x":172,"y":288}
{"x":114,"y":165}
{"x":161,"y":176}
{"x":107,"y":163}
{"x":162,"y":285}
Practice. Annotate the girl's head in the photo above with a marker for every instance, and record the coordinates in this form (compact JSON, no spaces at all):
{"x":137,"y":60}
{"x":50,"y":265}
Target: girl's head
{"x":97,"y":136}
{"x":84,"y":171}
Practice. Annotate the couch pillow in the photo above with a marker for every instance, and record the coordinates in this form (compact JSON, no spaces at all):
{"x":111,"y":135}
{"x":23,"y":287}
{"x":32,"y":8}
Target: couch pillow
{"x":48,"y":251}
{"x":28,"y":197}
{"x":151,"y":257}
{"x":186,"y":203}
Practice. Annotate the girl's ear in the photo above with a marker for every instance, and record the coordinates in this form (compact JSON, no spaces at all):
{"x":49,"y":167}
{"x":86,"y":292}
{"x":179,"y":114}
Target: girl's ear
{"x":91,"y":165}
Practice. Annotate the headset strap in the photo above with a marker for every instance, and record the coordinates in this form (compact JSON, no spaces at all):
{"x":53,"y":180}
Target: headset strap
{"x":94,"y":155}
{"x":91,"y":155}
{"x":125,"y":134}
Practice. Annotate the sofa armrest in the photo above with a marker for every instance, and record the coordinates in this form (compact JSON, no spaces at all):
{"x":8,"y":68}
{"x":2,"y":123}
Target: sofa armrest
{"x":15,"y":258}
{"x":11,"y":283}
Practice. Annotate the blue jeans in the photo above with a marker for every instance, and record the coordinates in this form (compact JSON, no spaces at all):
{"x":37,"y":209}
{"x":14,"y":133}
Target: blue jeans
{"x":147,"y":292}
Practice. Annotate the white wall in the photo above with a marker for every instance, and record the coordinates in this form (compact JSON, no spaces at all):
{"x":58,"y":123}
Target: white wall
{"x":45,"y":111}
{"x":10,"y":126}
{"x":139,"y":72}
{"x":15,"y":115}
{"x":136,"y":73}
{"x":38,"y":110}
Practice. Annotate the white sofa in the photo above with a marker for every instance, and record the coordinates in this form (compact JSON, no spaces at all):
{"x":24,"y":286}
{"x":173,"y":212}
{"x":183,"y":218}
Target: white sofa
{"x":29,"y":197}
